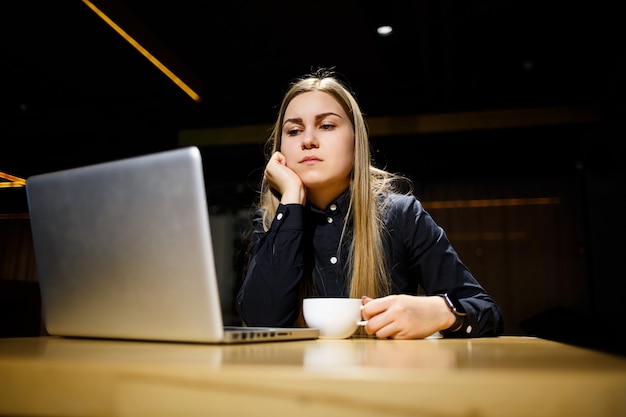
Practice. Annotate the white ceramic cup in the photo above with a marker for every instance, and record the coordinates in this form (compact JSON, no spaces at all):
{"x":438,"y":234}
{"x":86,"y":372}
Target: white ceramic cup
{"x":336,"y":318}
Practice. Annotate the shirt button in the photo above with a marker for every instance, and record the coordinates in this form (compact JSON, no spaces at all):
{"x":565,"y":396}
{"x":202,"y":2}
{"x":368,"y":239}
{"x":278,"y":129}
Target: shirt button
{"x":333,"y":260}
{"x":333,"y":207}
{"x":468,"y":330}
{"x":279,"y":216}
{"x":329,"y":219}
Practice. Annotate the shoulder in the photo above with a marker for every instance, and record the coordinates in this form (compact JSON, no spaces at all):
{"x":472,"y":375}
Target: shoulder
{"x":394,"y":205}
{"x":399,"y":201}
{"x":405,"y":213}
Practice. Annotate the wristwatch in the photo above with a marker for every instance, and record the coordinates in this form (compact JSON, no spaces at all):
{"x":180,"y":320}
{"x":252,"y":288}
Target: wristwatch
{"x":460,"y":316}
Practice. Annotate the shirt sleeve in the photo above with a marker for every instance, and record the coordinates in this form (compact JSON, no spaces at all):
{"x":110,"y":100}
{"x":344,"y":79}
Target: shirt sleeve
{"x":269,"y":294}
{"x":434,"y":262}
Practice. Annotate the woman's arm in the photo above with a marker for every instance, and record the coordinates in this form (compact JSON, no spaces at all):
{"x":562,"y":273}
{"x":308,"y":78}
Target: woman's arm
{"x":269,"y":295}
{"x":422,"y":255}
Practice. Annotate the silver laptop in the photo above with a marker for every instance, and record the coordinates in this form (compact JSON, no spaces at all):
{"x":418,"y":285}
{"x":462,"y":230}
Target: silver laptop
{"x":124,"y":251}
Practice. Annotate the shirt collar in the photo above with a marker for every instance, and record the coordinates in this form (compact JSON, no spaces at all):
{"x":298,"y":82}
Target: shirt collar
{"x":341,"y":202}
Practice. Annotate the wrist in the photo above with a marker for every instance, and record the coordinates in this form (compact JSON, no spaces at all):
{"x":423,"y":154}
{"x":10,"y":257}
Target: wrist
{"x":456,"y":310}
{"x":294,"y":196}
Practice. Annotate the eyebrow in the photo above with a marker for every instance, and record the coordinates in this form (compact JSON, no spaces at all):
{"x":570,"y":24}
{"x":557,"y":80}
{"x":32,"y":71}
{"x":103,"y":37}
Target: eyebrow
{"x":317,"y":117}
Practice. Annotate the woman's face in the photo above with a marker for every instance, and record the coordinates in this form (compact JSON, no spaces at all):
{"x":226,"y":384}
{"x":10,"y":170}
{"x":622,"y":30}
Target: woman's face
{"x":318,"y":142}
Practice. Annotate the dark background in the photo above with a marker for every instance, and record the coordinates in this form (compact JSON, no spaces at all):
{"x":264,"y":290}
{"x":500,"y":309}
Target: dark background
{"x":73,"y":91}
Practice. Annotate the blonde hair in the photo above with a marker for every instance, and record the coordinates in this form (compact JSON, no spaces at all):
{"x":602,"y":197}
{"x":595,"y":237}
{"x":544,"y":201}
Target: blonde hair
{"x":368,"y":184}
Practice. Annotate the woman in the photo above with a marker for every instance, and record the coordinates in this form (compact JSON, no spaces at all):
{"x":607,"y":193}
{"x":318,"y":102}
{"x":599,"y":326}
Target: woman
{"x":329,"y":223}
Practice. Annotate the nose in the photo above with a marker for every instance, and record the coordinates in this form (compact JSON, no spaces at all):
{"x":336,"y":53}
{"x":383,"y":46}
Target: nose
{"x":309,"y":141}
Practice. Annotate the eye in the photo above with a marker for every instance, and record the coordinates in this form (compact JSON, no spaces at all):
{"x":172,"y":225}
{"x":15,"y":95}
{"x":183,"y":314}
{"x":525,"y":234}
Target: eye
{"x":327,"y":126}
{"x":292,"y":131}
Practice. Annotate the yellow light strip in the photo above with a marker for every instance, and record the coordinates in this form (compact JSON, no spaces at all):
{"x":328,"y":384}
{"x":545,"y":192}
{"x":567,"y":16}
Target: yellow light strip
{"x":180,"y":83}
{"x":13,"y":181}
{"x":14,"y":216}
{"x":498,"y":202}
{"x":487,"y":236}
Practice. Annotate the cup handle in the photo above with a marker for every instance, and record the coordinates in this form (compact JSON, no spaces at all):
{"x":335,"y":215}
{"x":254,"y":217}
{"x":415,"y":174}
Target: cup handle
{"x":361,"y":322}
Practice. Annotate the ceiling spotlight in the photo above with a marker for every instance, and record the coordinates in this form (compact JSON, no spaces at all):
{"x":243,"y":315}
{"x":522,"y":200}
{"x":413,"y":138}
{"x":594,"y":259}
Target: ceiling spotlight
{"x":384,"y":30}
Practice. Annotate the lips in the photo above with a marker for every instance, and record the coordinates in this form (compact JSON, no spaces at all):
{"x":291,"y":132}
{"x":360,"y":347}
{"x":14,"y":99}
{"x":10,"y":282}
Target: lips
{"x":309,"y":160}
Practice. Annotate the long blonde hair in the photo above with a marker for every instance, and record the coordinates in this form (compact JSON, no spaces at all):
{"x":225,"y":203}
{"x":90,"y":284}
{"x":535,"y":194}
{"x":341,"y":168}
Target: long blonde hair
{"x":367,"y":268}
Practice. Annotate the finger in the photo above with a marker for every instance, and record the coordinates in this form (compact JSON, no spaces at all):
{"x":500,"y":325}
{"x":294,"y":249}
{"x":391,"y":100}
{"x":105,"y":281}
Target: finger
{"x":279,"y":157}
{"x":380,"y":327}
{"x":375,"y":306}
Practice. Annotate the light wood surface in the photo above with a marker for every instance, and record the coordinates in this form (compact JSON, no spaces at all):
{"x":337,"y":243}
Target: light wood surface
{"x":505,"y":376}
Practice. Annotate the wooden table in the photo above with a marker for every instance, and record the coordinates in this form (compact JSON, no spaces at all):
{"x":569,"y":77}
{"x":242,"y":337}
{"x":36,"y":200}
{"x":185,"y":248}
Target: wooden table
{"x":505,"y":376}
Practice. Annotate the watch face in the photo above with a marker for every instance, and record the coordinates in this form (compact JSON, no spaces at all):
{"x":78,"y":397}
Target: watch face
{"x":452,"y":305}
{"x":460,"y":316}
{"x":448,"y":302}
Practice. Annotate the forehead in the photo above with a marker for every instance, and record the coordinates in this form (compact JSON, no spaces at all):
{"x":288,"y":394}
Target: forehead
{"x":313,"y":103}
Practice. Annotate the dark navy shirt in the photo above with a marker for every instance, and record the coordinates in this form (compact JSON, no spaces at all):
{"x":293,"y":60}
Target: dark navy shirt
{"x":304,"y":241}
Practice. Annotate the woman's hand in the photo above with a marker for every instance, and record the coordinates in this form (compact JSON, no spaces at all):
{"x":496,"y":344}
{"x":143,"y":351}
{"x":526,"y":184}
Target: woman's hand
{"x":406,"y":316}
{"x":284,"y":180}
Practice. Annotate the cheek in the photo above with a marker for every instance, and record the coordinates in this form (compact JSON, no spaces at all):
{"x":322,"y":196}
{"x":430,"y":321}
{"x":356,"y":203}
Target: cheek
{"x":288,"y":150}
{"x":346,"y":158}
